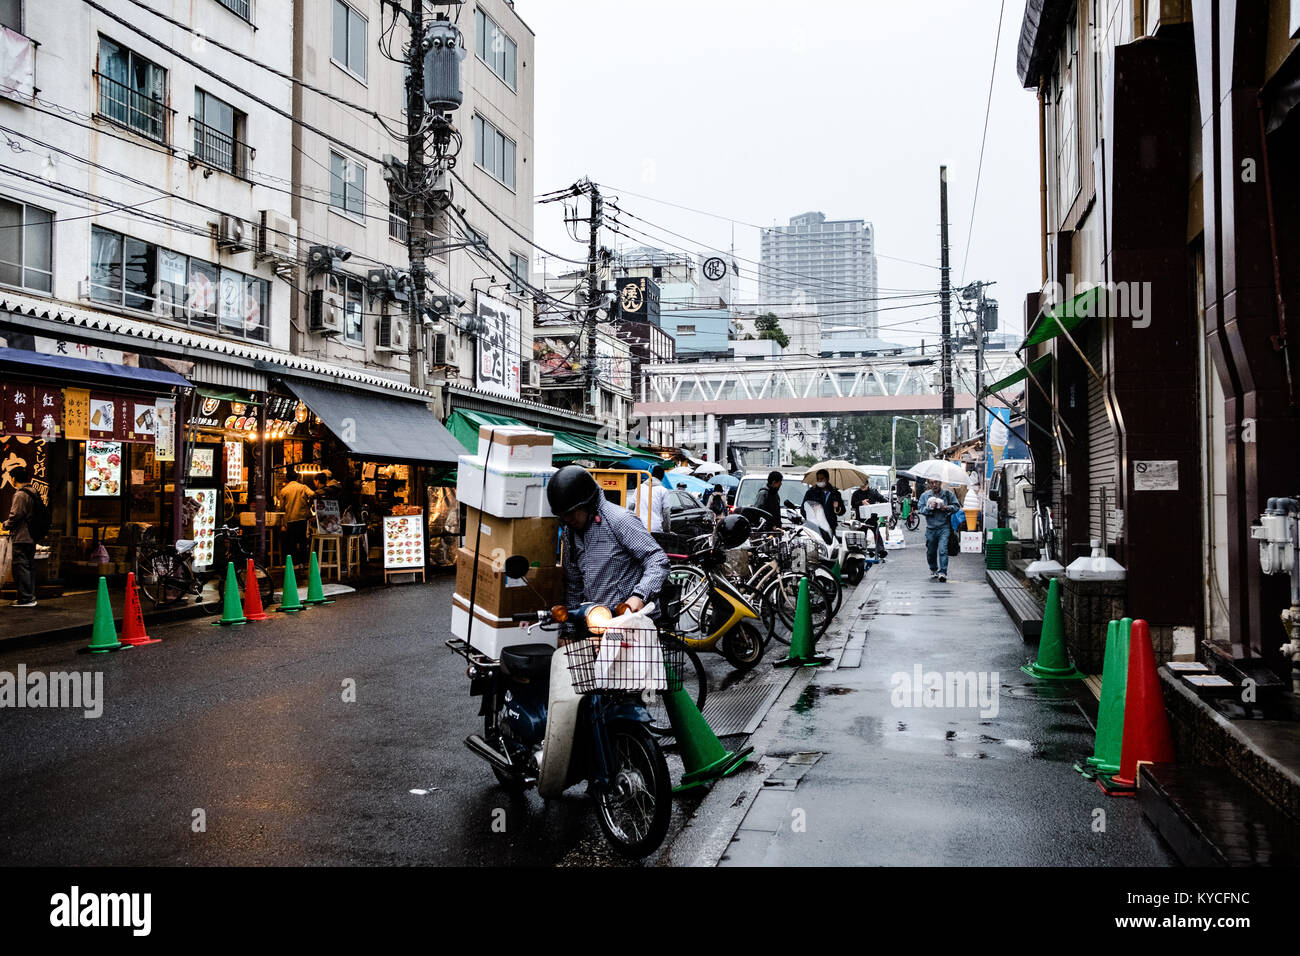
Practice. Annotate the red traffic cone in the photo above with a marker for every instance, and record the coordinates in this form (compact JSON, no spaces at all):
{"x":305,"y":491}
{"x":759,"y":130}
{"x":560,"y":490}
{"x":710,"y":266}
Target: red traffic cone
{"x":253,"y":596}
{"x":133,"y":632}
{"x":1146,"y":726}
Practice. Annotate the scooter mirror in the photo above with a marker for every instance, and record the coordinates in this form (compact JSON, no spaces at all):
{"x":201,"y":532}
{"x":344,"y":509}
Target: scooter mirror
{"x":517,"y":566}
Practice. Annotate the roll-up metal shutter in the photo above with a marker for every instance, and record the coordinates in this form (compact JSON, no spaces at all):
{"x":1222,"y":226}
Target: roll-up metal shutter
{"x":1103,"y":449}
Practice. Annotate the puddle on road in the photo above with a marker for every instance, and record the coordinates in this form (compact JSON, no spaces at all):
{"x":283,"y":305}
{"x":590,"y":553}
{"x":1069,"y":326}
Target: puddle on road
{"x":812,"y":693}
{"x":964,"y":744}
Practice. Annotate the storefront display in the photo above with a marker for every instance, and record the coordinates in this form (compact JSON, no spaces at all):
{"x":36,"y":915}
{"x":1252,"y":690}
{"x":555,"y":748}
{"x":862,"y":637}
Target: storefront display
{"x":404,"y":541}
{"x":203,"y":524}
{"x":201,"y":462}
{"x":103,"y":469}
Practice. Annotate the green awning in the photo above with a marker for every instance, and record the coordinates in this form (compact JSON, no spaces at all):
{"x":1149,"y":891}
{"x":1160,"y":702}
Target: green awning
{"x":464,"y":425}
{"x":1036,"y":367}
{"x":1066,"y":316}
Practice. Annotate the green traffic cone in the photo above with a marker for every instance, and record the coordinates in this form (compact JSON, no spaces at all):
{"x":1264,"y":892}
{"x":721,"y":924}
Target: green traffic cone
{"x":1114,"y":693}
{"x":232,"y":610}
{"x":703,"y":756}
{"x":1053,"y":659}
{"x":907,"y":508}
{"x":315,"y":591}
{"x":103,"y":636}
{"x":289,"y":600}
{"x":803,"y":644}
{"x":835,"y":570}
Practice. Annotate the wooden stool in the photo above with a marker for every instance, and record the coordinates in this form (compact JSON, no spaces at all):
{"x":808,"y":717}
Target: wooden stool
{"x":328,"y":552}
{"x":352,"y":555}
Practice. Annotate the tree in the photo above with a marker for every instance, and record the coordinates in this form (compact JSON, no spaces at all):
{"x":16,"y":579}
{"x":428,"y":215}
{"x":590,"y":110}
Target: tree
{"x":865,"y":439}
{"x":803,"y":461}
{"x":769,"y":327}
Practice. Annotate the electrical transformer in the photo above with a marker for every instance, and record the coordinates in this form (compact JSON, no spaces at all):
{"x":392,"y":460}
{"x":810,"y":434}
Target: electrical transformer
{"x":444,"y":48}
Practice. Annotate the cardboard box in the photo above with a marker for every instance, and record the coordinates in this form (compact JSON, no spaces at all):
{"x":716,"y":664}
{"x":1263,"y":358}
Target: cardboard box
{"x":516,"y":444}
{"x":492,"y":633}
{"x":515,"y":492}
{"x":499,"y":595}
{"x":535,"y":538}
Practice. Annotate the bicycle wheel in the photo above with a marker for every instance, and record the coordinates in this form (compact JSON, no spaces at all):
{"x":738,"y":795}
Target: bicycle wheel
{"x":913,"y":520}
{"x":696,"y":590}
{"x":785,"y":594}
{"x":831,"y":585}
{"x":695,"y":681}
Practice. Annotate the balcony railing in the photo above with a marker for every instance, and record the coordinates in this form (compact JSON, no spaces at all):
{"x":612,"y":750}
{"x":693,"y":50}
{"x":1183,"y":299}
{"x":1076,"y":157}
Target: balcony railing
{"x":240,"y":8}
{"x":129,"y":107}
{"x":219,"y":150}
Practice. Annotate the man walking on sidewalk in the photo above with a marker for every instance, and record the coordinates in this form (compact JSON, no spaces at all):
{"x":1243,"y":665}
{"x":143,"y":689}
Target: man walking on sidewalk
{"x":937,"y":504}
{"x":24,"y":544}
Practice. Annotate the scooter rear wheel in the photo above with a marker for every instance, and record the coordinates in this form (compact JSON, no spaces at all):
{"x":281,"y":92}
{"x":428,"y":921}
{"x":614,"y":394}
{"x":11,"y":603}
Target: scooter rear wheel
{"x":635,"y":808}
{"x":743,"y":646}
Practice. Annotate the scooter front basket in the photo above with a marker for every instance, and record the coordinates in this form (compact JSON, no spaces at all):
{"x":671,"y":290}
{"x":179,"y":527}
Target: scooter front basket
{"x":624,"y":658}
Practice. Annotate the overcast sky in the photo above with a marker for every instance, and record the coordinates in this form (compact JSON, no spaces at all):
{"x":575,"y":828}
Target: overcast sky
{"x":759,"y":111}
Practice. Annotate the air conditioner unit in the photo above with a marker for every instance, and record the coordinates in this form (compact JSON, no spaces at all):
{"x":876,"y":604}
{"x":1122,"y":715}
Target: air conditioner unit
{"x":441,"y":350}
{"x":277,"y":236}
{"x":231,"y":234}
{"x":392,"y":335}
{"x":325,"y":314}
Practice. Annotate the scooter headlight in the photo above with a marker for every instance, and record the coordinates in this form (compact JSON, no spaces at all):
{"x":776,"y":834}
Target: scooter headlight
{"x":598,"y":618}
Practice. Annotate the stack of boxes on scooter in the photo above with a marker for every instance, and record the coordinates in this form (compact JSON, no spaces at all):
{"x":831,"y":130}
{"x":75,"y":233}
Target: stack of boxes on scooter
{"x":503,"y":489}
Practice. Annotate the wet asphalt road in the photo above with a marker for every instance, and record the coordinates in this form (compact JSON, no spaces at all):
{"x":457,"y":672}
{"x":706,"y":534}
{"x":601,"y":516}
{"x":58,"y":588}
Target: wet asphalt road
{"x":249,"y":726}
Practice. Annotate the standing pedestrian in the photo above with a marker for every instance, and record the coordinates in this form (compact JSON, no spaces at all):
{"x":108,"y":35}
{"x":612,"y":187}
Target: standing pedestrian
{"x":718,"y":503}
{"x":296,"y":498}
{"x":769,"y":500}
{"x":827,"y":498}
{"x":652,"y":503}
{"x":24,"y":544}
{"x":937,"y":504}
{"x":867,"y":495}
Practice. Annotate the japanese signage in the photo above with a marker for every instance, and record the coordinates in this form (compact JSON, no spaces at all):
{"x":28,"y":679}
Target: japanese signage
{"x":234,"y":464}
{"x":92,"y":353}
{"x":1155,"y":476}
{"x":30,"y":453}
{"x":201,"y":462}
{"x":164,"y":439}
{"x":497,"y":370}
{"x":76,"y":413}
{"x":327,"y":517}
{"x":638,"y":298}
{"x":103,"y":476}
{"x":16,"y":407}
{"x":204,"y":524}
{"x":403,"y":542}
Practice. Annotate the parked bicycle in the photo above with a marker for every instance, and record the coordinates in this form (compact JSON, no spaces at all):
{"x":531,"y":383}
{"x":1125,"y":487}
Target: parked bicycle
{"x":166,"y":573}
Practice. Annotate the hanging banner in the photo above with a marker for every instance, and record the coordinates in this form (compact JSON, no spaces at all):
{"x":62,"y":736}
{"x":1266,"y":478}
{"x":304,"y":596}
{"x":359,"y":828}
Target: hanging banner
{"x":103,"y":476}
{"x":164,"y":438}
{"x":498,"y":347}
{"x":995,"y":438}
{"x":103,"y":415}
{"x":16,"y":407}
{"x":47,"y":408}
{"x":76,"y":413}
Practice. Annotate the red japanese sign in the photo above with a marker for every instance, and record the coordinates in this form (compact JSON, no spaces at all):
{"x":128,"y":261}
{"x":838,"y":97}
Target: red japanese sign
{"x":16,"y":408}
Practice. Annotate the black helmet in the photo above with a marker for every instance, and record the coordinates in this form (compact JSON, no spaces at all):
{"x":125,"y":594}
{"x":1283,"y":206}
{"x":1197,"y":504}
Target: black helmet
{"x":571,"y":487}
{"x":733,"y":531}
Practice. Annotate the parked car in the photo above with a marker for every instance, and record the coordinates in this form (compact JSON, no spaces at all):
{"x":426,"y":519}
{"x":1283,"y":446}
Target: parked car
{"x":688,"y":516}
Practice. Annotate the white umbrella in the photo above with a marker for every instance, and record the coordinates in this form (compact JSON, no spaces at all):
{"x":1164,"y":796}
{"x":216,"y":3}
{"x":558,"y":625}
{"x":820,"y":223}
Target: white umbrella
{"x":843,"y":474}
{"x":941,"y":469}
{"x":708,"y":469}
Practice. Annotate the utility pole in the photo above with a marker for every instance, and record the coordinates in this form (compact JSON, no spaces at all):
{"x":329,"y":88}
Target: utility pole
{"x":415,"y":171}
{"x":593,"y":298}
{"x":944,"y":304}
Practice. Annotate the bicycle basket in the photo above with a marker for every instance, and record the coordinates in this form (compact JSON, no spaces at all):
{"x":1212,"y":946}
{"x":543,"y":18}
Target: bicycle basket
{"x":624,"y":658}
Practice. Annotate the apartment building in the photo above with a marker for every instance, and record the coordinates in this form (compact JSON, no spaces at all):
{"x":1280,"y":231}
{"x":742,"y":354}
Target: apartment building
{"x":823,"y":265}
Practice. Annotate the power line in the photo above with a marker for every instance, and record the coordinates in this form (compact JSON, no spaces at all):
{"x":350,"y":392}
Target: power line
{"x":997,"y":39}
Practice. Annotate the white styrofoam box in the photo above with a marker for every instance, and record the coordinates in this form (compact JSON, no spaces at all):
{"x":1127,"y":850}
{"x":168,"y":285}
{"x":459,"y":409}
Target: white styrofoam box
{"x":972,"y":542}
{"x":491,"y":633}
{"x":518,"y":491}
{"x":516,"y":444}
{"x":895,"y":539}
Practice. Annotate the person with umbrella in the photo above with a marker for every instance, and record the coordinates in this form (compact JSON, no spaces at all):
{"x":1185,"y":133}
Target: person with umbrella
{"x":826,"y":498}
{"x":938,"y":504}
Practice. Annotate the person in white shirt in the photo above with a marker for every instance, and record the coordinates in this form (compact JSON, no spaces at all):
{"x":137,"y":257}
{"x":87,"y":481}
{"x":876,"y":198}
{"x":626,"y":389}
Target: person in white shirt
{"x":653,"y":497}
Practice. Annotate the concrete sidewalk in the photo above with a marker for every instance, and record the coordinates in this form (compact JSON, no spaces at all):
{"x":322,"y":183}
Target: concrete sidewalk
{"x":860,"y":767}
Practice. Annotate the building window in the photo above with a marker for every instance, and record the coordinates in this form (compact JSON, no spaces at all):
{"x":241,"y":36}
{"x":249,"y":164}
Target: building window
{"x":398,"y":227}
{"x":354,"y":329}
{"x":11,"y":15}
{"x":347,"y":185}
{"x":218,"y":134}
{"x":494,"y":151}
{"x":349,"y":49}
{"x":495,"y":49}
{"x":240,"y":8}
{"x":132,"y":90}
{"x":180,"y":289}
{"x":519,"y":267}
{"x":685,"y":330}
{"x":26,"y":245}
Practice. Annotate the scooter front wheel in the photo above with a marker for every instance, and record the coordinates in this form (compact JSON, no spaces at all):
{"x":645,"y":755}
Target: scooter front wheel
{"x":743,"y":646}
{"x":636,"y":805}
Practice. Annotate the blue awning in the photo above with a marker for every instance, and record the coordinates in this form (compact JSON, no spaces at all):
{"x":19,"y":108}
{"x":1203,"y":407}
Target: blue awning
{"x":39,"y":362}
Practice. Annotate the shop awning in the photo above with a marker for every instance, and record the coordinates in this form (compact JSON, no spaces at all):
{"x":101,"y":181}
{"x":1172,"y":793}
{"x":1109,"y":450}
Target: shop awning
{"x":1066,"y":316}
{"x":465,"y":424}
{"x":40,"y":363}
{"x":385,"y":429}
{"x":1036,"y":367}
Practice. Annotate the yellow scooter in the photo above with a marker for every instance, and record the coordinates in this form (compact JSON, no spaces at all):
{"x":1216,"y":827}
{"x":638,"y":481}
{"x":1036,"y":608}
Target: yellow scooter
{"x":715,"y":615}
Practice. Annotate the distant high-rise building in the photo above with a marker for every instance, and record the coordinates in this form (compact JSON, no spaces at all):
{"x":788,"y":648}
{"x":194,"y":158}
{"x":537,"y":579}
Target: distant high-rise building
{"x":830,"y":266}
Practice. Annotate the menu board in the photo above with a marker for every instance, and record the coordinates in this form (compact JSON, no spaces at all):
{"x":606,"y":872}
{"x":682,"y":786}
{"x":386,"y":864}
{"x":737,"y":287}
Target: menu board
{"x":403,"y":542}
{"x":201,"y":463}
{"x":327,"y":517}
{"x":164,"y":439}
{"x":205,"y":525}
{"x":234,"y":464}
{"x":103,"y":476}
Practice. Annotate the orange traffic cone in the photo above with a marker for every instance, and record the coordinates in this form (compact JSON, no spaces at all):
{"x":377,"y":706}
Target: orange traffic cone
{"x":1146,"y":726}
{"x":133,"y":632}
{"x":253,"y":596}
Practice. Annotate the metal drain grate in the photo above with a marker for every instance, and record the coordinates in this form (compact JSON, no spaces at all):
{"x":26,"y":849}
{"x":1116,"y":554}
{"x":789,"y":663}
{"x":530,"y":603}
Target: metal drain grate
{"x":740,"y":710}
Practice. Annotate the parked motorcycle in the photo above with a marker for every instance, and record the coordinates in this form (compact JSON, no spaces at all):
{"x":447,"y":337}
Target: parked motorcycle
{"x":553,"y":718}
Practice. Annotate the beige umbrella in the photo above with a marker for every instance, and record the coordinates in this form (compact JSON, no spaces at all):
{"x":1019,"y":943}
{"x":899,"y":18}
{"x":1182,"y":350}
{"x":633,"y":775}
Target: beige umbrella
{"x":844,"y":474}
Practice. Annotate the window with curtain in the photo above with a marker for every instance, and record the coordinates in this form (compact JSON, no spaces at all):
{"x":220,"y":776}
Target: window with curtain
{"x":26,"y":246}
{"x":347,"y":185}
{"x":132,"y":90}
{"x":218,"y":133}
